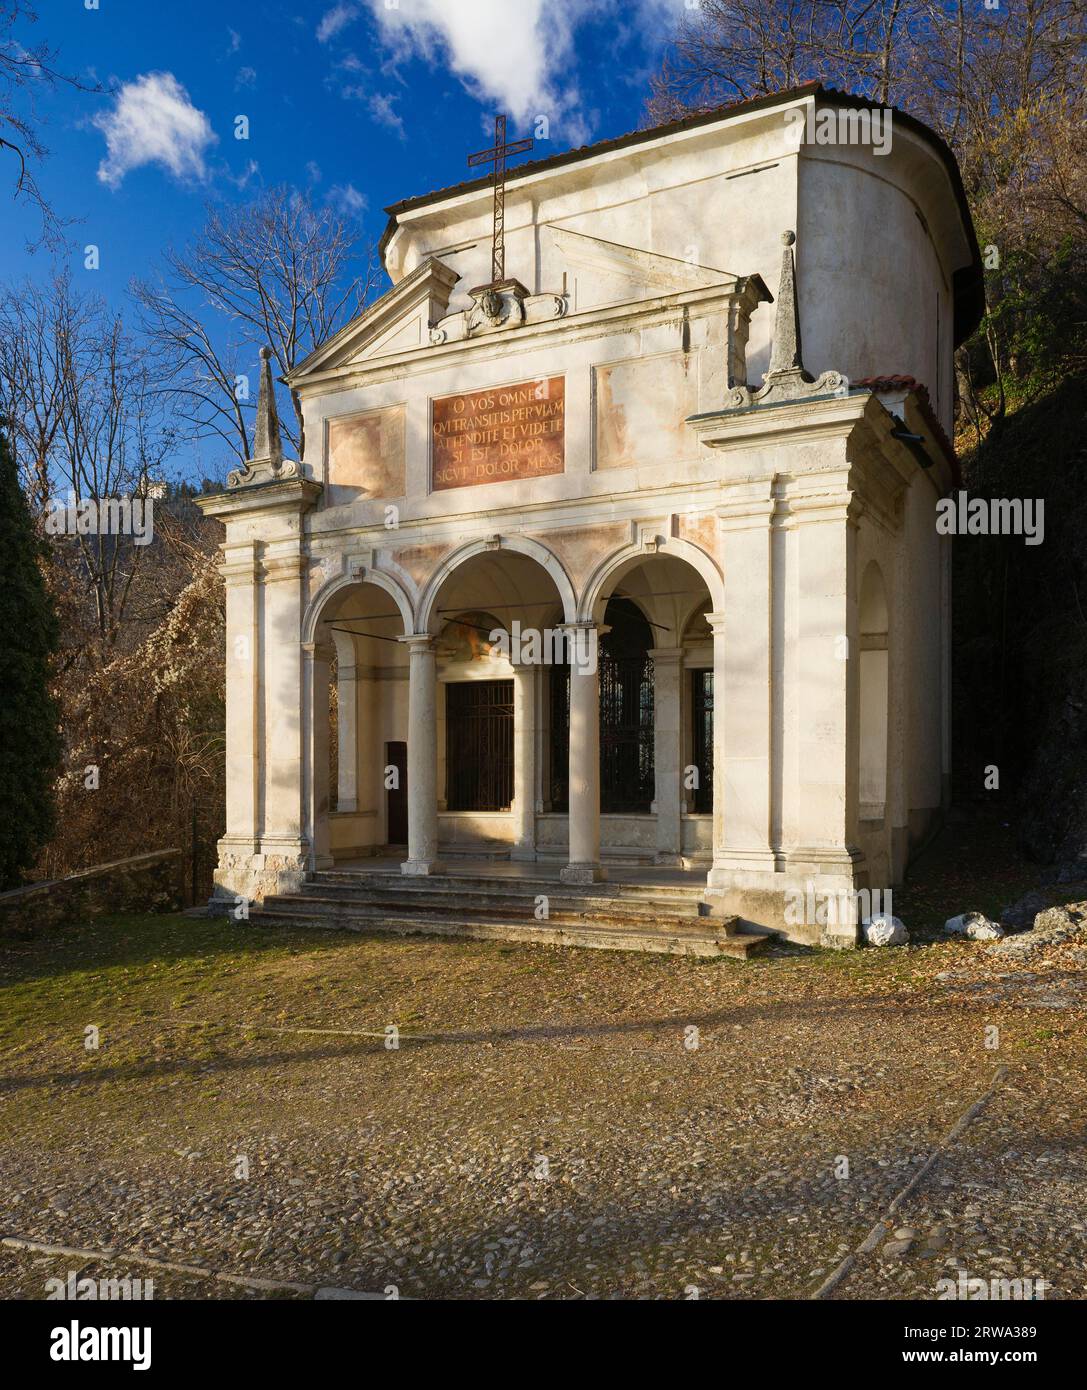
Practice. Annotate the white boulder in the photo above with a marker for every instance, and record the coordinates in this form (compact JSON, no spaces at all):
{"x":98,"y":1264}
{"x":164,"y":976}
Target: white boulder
{"x":885,"y":930}
{"x":975,"y":926}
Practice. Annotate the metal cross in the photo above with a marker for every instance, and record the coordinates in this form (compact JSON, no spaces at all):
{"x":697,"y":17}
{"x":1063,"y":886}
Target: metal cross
{"x":497,"y":155}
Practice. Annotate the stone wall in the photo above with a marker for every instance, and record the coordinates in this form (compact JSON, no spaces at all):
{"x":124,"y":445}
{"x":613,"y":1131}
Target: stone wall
{"x":144,"y":883}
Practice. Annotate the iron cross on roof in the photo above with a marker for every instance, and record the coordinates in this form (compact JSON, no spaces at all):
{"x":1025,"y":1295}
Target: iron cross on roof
{"x":497,"y":155}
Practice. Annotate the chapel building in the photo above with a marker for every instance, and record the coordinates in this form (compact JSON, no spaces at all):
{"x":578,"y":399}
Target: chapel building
{"x":627,"y":560}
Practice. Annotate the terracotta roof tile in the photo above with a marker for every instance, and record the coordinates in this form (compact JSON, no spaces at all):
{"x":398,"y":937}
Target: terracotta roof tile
{"x":919,"y":390}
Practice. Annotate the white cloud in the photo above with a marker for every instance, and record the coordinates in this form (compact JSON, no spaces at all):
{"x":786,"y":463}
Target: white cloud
{"x":513,"y":54}
{"x":348,"y":199}
{"x":313,"y":169}
{"x":381,"y":109}
{"x":517,"y":56}
{"x":335,"y":19}
{"x":154,"y":122}
{"x":247,"y":77}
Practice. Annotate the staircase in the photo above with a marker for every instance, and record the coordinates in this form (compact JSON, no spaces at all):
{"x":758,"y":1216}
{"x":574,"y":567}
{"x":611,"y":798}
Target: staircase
{"x":613,"y":916}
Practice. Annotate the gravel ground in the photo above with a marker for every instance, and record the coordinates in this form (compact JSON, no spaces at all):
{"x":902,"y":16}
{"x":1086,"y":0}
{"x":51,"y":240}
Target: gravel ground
{"x":546,"y":1128}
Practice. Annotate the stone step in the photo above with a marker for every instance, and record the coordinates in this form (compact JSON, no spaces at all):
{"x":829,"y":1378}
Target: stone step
{"x":601,"y":912}
{"x":715,"y":942}
{"x":559,"y":904}
{"x":381,"y":881}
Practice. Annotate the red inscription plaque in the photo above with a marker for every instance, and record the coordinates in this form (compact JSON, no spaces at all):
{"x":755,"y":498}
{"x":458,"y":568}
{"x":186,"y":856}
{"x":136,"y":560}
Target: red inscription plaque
{"x":498,"y":435}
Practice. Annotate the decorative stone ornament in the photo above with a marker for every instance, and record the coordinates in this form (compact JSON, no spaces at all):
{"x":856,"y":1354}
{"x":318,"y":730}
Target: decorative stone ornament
{"x":786,"y":379}
{"x":267,"y":463}
{"x":495,"y":308}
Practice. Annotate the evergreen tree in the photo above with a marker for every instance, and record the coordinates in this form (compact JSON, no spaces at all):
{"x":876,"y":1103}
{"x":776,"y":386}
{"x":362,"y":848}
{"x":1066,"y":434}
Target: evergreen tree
{"x":30,"y":743}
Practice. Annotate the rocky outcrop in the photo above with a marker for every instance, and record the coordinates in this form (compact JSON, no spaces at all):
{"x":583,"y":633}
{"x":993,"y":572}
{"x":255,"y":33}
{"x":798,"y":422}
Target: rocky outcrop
{"x":1053,"y":927}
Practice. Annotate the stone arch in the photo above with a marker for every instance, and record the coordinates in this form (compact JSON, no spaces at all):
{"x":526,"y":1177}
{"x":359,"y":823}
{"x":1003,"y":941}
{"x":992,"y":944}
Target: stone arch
{"x":614,"y":566}
{"x":690,"y":629}
{"x":521,"y":545}
{"x":361,"y":575}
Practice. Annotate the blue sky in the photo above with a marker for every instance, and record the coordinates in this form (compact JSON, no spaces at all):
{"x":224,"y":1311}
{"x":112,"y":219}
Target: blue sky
{"x":363,"y":101}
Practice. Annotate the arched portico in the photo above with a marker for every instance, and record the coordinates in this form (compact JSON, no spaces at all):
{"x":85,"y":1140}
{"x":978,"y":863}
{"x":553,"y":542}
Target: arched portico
{"x":664,"y":706}
{"x":608,"y":573}
{"x":484,"y":626}
{"x":354,"y":663}
{"x":428,"y":615}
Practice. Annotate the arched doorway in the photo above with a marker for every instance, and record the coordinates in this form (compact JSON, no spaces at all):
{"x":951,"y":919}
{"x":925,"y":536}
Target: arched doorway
{"x":496,"y":617}
{"x":356,"y":764}
{"x":655,"y":705}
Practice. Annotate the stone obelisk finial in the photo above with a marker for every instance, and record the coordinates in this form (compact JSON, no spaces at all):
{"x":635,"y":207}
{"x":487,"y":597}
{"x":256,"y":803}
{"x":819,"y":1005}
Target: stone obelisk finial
{"x":786,"y":380}
{"x":785,"y":353}
{"x":267,"y":444}
{"x":266,"y":463}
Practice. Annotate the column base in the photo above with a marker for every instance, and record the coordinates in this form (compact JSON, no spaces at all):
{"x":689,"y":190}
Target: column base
{"x":524,"y":853}
{"x":668,"y":857}
{"x":583,"y":873}
{"x":419,"y":868}
{"x":817,"y":901}
{"x":247,"y":872}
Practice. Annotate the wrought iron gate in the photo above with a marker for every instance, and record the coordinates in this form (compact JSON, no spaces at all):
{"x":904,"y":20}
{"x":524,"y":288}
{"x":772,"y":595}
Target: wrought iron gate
{"x":702,"y":728}
{"x":479,"y":745}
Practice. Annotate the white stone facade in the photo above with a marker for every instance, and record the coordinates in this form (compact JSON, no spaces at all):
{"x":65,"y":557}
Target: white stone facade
{"x":783,"y":539}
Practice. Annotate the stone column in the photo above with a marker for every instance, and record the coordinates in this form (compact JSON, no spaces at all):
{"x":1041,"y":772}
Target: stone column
{"x":667,"y":752}
{"x":742,"y":675}
{"x":242,"y":666}
{"x":315,"y":685}
{"x":286,"y":722}
{"x":584,"y":862}
{"x":828,"y":669}
{"x":422,"y":756}
{"x":347,"y":709}
{"x":524,"y":761}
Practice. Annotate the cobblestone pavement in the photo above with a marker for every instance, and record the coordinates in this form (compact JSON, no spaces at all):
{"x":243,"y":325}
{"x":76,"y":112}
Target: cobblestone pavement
{"x":549,"y":1126}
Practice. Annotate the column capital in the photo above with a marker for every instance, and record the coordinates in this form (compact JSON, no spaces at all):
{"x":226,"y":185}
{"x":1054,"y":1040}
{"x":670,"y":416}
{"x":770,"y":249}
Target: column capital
{"x":716,"y":622}
{"x":319,"y":651}
{"x":419,"y":643}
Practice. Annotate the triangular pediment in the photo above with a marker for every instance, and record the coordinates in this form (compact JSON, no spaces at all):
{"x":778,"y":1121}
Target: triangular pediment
{"x":607,"y":272}
{"x":397,"y":322}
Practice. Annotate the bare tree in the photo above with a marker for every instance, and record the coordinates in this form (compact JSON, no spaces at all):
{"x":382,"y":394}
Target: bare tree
{"x":89,"y":421}
{"x":277,"y":271}
{"x":948,"y":61}
{"x":116,"y":441}
{"x":730,"y":50}
{"x":31,"y":396}
{"x":24,"y":71}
